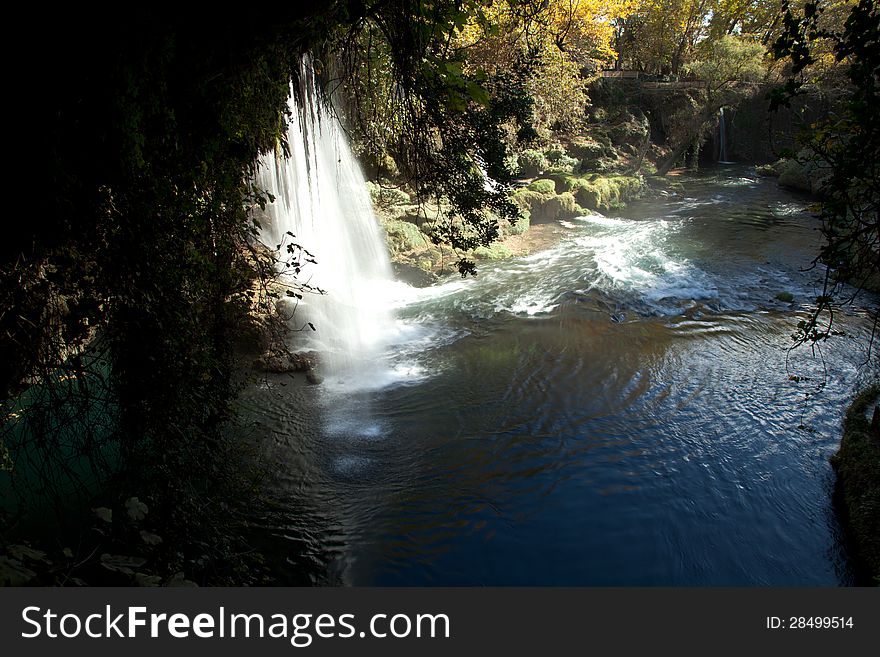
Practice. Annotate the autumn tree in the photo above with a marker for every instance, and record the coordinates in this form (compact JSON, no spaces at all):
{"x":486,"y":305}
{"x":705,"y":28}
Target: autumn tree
{"x":660,"y":35}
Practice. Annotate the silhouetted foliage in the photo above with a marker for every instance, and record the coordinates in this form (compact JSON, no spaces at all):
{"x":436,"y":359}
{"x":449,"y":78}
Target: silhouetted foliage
{"x":846,"y":144}
{"x":124,"y":289}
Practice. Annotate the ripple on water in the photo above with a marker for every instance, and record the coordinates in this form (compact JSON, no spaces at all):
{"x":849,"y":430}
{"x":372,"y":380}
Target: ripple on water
{"x":557,"y":446}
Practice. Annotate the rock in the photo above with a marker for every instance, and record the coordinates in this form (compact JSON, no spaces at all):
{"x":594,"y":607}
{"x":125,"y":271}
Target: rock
{"x":542,"y":185}
{"x":403,"y":236}
{"x":770,"y":170}
{"x":544,"y":207}
{"x":413,"y":275}
{"x":786,"y":297}
{"x":314,"y":378}
{"x":275,"y":364}
{"x":805,"y":173}
{"x":494,"y":252}
{"x":285,"y":308}
{"x":303,"y":361}
{"x":280,"y":360}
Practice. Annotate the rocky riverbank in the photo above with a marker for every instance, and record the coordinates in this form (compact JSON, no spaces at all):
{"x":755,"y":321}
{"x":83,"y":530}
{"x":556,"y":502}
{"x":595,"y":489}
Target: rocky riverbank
{"x":857,"y":490}
{"x":544,"y":201}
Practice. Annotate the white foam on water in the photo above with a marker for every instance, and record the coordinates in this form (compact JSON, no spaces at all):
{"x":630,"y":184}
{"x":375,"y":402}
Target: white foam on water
{"x":634,"y":256}
{"x":781,"y":209}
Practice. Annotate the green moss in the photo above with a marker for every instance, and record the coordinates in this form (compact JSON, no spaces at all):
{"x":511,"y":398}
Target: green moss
{"x":565,"y":182}
{"x":786,"y":297}
{"x":403,"y":236}
{"x":543,"y":185}
{"x":496,"y":251}
{"x":606,"y":192}
{"x":858,"y":481}
{"x":385,"y":196}
{"x":544,"y":207}
{"x":564,"y":195}
{"x":563,"y":206}
{"x":531,"y":163}
{"x":521,"y":226}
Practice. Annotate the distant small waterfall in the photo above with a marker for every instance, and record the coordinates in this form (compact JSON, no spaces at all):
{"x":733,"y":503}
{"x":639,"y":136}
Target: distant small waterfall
{"x":722,"y":138}
{"x":321,"y":198}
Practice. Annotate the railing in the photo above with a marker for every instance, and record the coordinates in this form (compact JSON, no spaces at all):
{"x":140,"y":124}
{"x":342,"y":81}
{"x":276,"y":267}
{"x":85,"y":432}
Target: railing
{"x":632,"y":75}
{"x":648,"y":81}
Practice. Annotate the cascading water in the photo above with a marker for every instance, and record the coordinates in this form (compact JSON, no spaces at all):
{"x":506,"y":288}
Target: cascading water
{"x":322,"y":204}
{"x":722,"y":138}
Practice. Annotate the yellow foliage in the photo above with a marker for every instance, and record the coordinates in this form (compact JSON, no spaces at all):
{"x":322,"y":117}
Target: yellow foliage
{"x":585,"y":28}
{"x":564,"y":39}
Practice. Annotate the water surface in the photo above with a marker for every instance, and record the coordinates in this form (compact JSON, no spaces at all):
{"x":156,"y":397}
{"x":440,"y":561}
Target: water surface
{"x":622,"y":409}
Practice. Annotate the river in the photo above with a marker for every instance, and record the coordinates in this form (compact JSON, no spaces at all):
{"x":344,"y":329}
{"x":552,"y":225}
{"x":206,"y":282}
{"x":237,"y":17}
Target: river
{"x":621,"y":409}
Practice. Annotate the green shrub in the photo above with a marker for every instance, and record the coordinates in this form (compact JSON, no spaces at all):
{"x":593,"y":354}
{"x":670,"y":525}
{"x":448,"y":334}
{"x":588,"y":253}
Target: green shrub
{"x":386,"y":196}
{"x":555,"y":152}
{"x":565,"y":164}
{"x":403,"y":236}
{"x":494,"y":252}
{"x":522,"y":225}
{"x":531,"y":163}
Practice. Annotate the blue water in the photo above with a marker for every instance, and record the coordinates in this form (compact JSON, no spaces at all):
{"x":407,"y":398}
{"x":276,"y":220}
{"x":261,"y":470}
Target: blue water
{"x":622,"y":409}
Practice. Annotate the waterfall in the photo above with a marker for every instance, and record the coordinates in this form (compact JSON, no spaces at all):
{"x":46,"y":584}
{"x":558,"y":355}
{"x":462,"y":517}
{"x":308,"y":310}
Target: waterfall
{"x":322,"y":200}
{"x":722,"y":138}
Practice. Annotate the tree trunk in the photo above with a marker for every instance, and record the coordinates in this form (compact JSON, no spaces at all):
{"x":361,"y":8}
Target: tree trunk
{"x":708,"y":111}
{"x":672,"y":158}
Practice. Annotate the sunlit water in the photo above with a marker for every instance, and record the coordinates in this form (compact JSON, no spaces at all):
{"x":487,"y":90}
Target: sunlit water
{"x":622,"y":409}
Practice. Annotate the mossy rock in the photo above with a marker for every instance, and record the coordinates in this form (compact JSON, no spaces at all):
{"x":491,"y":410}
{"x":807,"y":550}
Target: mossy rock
{"x":770,"y":170}
{"x":493,"y":252}
{"x":544,"y":207}
{"x":403,"y":236}
{"x":543,"y":185}
{"x":386,"y":196}
{"x":804,"y":173}
{"x":794,"y":175}
{"x":785,"y":297}
{"x":565,"y":182}
{"x":589,"y":151}
{"x":589,"y":197}
{"x":604,"y":193}
{"x":858,"y":481}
